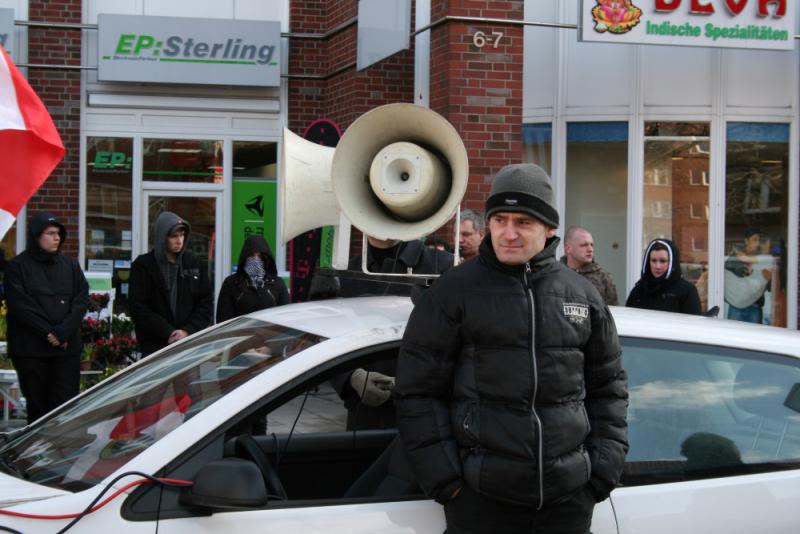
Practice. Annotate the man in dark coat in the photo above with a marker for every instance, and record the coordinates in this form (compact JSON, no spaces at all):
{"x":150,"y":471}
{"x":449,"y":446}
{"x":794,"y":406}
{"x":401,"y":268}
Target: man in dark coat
{"x":511,"y":397}
{"x":47,"y":297}
{"x":391,"y":256}
{"x":367,"y":392}
{"x":255,"y":285}
{"x":170,"y":295}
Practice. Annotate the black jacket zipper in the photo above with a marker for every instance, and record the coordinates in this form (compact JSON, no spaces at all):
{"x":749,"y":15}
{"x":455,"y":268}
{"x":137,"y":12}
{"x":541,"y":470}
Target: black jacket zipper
{"x":529,"y":291}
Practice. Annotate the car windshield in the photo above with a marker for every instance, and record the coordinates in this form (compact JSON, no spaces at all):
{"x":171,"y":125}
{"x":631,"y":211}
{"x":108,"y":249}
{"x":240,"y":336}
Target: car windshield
{"x":82,"y":443}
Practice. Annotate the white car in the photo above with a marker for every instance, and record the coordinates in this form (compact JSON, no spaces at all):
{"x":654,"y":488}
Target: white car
{"x":714,"y":432}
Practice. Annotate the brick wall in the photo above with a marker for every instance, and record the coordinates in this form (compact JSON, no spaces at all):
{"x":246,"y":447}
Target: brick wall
{"x":341,"y":97}
{"x":479,"y":89}
{"x":59,"y":89}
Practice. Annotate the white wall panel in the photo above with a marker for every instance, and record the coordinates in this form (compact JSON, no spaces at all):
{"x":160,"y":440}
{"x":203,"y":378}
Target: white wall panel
{"x":116,"y":7}
{"x":677,"y":76}
{"x":260,"y":9}
{"x":212,"y":9}
{"x":539,"y":69}
{"x":756,"y":78}
{"x":599,"y":75}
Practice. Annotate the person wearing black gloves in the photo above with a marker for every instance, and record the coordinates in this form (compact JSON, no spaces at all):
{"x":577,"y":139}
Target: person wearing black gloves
{"x":510,"y":393}
{"x":255,"y":285}
{"x":47,"y":297}
{"x":662,"y":286}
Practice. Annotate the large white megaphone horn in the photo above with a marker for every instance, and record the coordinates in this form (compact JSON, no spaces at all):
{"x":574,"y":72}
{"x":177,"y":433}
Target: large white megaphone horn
{"x":305,"y":191}
{"x":399,"y":172}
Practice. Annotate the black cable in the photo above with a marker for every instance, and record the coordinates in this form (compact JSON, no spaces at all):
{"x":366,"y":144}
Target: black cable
{"x":291,"y":431}
{"x":86,"y":511}
{"x":9,"y":529}
{"x":158,"y":508}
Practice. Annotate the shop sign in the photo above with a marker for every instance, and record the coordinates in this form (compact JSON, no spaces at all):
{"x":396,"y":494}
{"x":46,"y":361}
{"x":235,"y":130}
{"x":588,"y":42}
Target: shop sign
{"x":759,"y":24}
{"x":7,"y":31}
{"x":188,"y":51}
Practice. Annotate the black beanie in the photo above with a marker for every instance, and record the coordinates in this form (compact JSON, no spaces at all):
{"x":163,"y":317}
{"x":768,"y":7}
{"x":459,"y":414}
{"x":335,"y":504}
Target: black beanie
{"x":523,"y":188}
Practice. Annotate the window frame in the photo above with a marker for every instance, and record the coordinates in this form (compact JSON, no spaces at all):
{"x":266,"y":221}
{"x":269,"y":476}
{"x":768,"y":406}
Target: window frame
{"x":139,"y":506}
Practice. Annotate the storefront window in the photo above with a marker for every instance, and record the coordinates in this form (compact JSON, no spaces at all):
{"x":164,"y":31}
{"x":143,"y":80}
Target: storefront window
{"x":254,"y":199}
{"x":108,"y":238}
{"x":756,"y":219}
{"x":676,"y":192}
{"x":597,"y":191}
{"x":182,"y":160}
{"x":537,"y":142}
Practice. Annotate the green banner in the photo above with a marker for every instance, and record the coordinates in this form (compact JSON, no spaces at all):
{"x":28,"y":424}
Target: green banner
{"x":254,"y":212}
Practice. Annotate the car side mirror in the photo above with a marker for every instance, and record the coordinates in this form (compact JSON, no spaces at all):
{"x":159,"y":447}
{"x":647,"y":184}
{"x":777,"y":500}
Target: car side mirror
{"x":230,"y":483}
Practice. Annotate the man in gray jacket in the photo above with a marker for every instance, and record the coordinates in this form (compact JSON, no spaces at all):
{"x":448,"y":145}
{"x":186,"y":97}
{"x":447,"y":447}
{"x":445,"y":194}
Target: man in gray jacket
{"x":579,"y":256}
{"x":511,"y":397}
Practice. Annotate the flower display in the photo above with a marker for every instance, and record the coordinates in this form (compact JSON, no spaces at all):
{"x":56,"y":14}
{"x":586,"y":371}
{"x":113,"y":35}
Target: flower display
{"x":98,"y":301}
{"x":93,"y":329}
{"x":109,"y":343}
{"x":115,"y":352}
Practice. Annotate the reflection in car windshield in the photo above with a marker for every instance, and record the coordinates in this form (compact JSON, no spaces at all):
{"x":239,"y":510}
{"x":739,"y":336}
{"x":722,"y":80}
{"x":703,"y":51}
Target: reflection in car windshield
{"x":83,"y":443}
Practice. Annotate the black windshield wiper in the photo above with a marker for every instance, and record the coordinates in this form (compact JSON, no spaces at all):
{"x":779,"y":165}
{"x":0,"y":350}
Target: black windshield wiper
{"x":10,"y":468}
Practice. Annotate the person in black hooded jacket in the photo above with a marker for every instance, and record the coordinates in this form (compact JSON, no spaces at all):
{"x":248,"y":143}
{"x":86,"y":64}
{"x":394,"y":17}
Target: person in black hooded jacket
{"x":47,"y":297}
{"x":662,"y":286}
{"x":255,"y":285}
{"x":170,"y":296}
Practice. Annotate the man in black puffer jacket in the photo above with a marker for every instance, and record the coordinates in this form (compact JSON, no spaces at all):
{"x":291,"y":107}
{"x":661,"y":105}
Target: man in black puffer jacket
{"x":171,"y":296}
{"x":47,"y":298}
{"x":511,"y":397}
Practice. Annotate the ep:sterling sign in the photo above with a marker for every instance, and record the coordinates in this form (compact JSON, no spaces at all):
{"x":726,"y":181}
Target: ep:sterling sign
{"x":182,"y":50}
{"x":186,"y":49}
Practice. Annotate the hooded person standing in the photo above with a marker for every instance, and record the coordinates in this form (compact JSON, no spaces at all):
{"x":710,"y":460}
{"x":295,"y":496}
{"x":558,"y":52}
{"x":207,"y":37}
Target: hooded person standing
{"x":170,"y":295}
{"x":662,"y":286}
{"x":255,"y":285}
{"x":47,"y":297}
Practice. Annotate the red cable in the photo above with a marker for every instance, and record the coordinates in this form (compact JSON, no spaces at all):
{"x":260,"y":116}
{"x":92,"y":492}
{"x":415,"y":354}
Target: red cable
{"x":98,"y":505}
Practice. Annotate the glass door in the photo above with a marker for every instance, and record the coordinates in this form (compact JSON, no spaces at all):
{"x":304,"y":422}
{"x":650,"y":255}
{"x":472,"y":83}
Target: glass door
{"x":202,"y":209}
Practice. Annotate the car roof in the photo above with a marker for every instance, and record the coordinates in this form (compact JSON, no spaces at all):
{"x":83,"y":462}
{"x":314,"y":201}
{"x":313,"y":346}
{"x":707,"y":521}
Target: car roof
{"x":342,"y":317}
{"x":634,"y":322}
{"x":355,"y":317}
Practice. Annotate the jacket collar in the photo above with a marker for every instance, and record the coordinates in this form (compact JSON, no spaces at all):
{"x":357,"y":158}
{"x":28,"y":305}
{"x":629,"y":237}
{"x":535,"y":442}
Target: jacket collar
{"x":590,"y":267}
{"x":539,"y":263}
{"x":409,"y":256}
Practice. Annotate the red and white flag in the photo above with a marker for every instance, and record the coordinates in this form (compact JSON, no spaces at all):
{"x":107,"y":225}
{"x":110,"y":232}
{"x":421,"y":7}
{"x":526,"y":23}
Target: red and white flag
{"x":30,"y":147}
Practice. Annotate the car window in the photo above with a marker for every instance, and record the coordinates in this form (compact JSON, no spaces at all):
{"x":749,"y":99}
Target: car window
{"x":83,"y":442}
{"x":698,"y":411}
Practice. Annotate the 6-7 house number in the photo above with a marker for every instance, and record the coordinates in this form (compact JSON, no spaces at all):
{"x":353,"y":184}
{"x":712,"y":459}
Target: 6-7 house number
{"x":481,"y":39}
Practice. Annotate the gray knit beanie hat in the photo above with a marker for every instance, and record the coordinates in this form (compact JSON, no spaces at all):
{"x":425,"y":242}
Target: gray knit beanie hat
{"x":523,"y":188}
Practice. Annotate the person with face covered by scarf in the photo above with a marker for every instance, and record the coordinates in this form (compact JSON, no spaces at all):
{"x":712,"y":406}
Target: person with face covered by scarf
{"x":170,"y":293}
{"x":662,"y":286}
{"x":255,"y":285}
